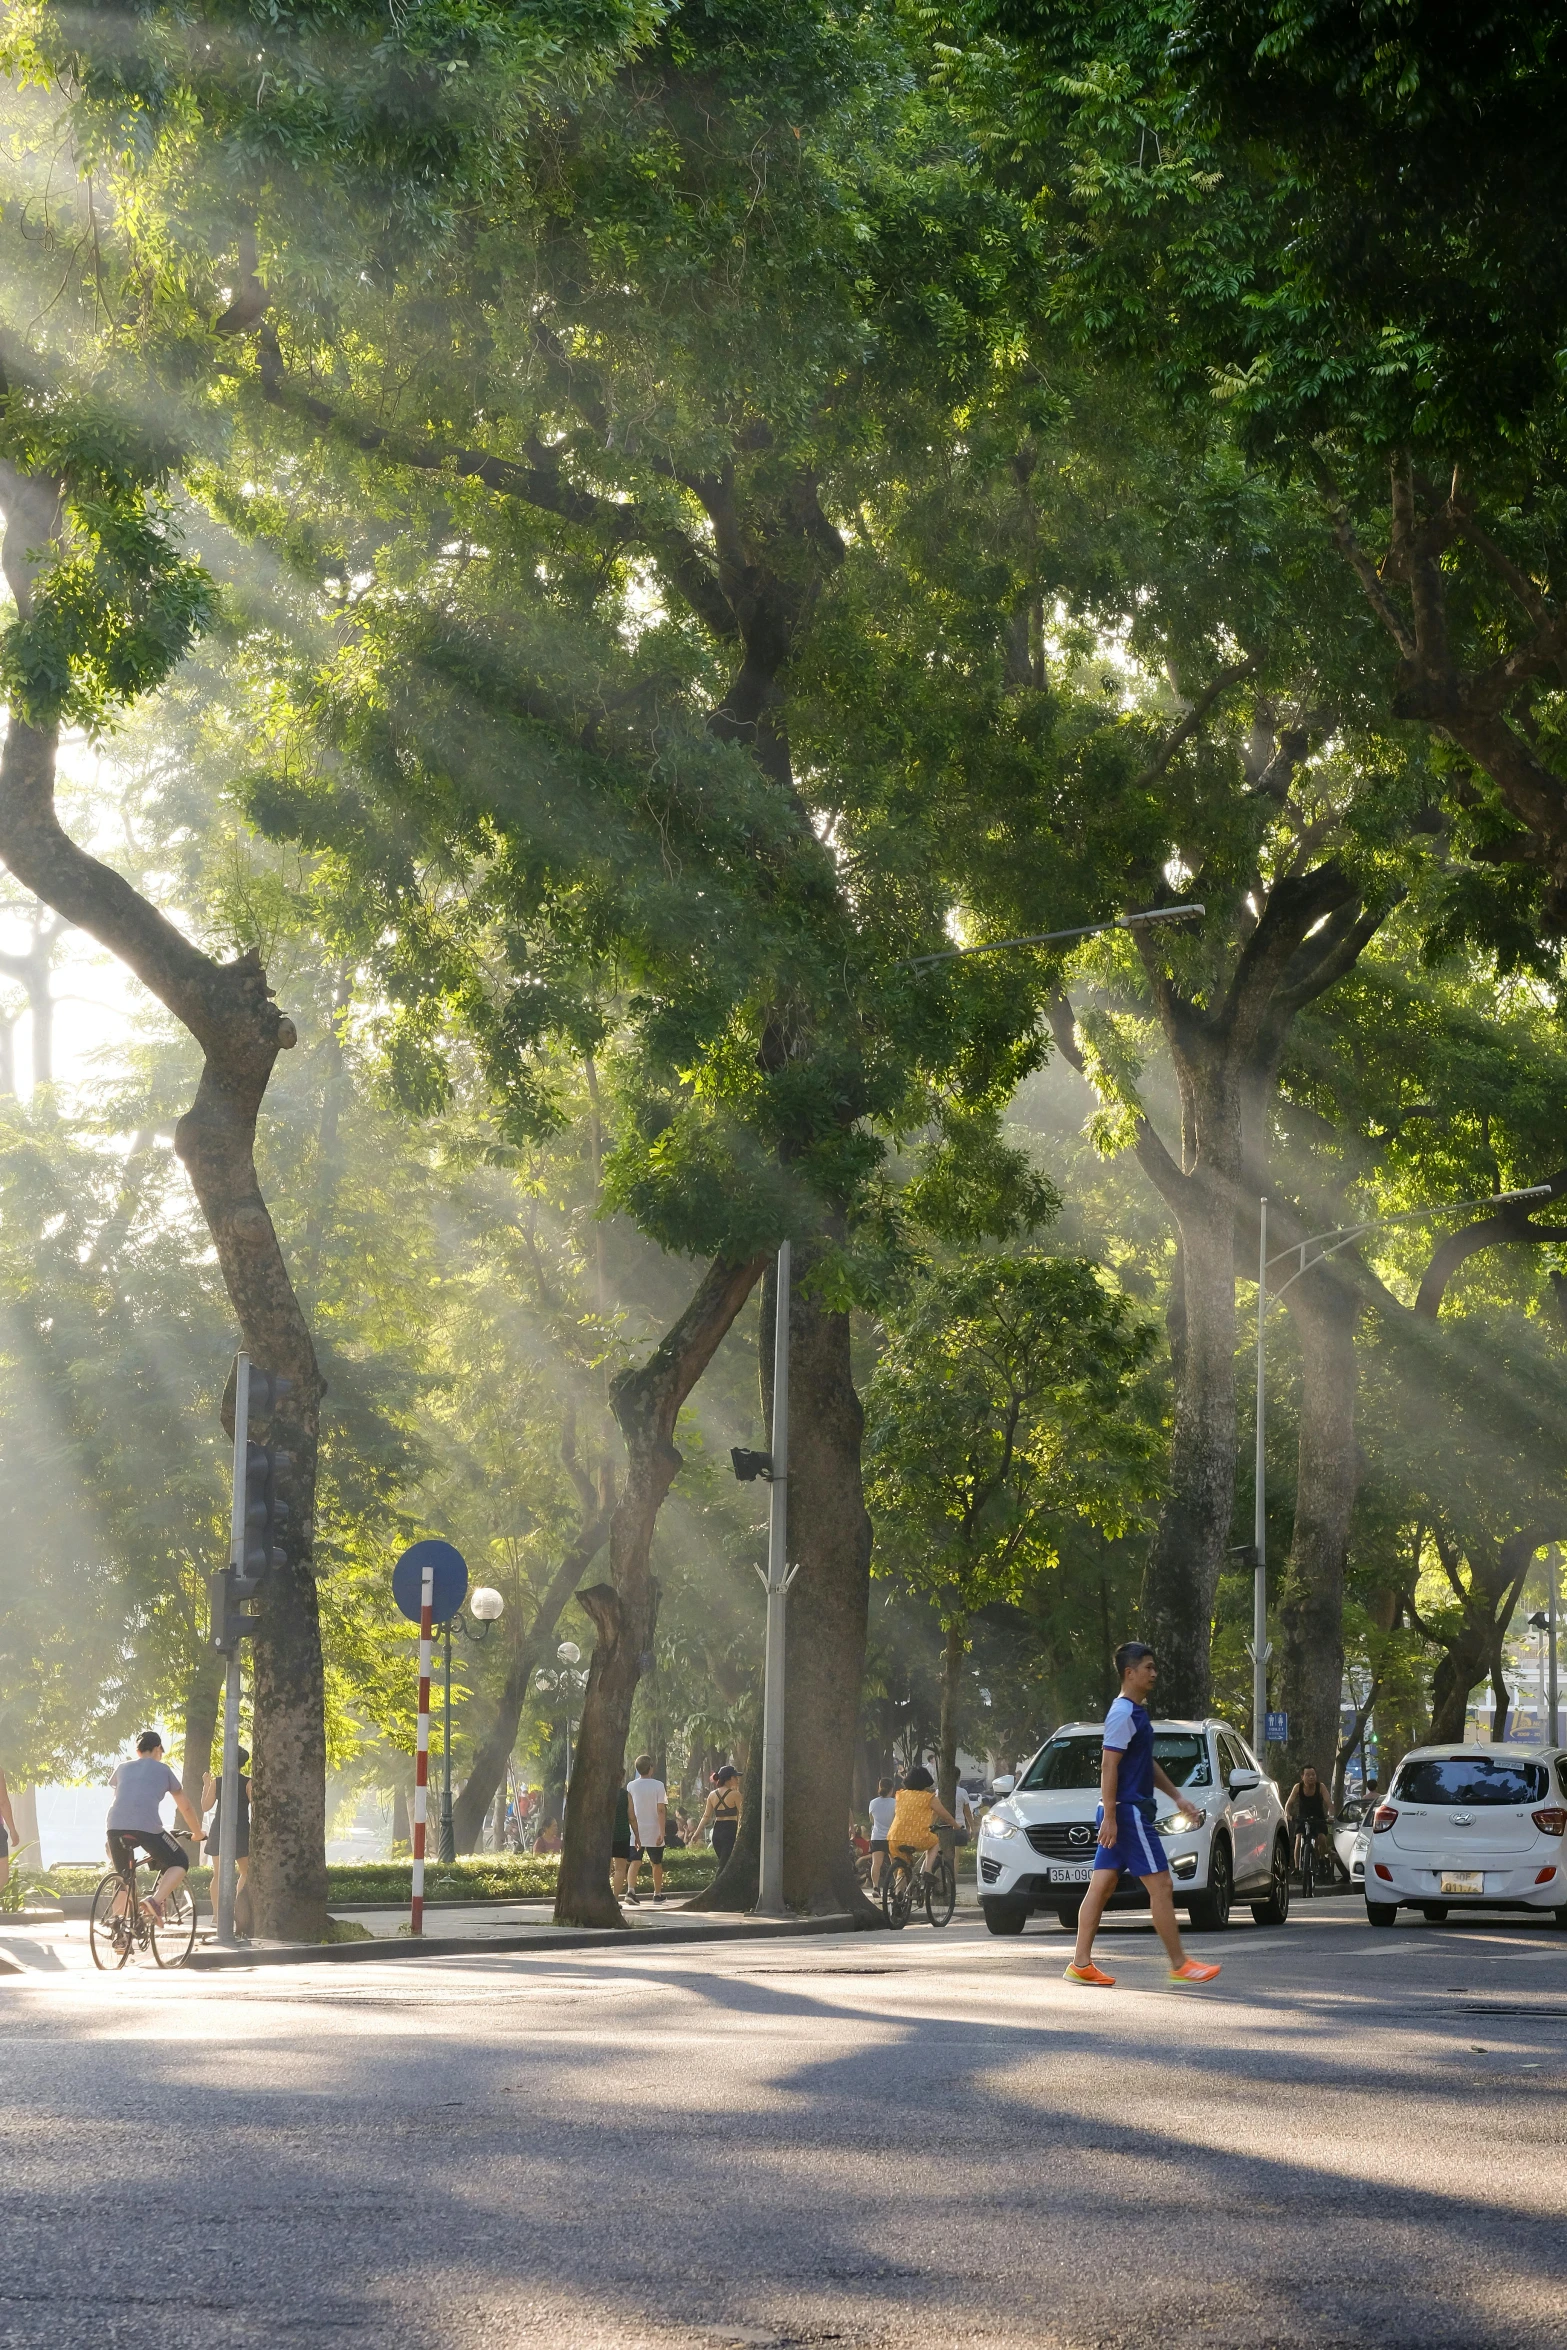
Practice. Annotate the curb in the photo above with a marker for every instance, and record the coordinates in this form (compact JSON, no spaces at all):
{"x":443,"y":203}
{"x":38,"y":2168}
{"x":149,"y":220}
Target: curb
{"x":477,"y":1946}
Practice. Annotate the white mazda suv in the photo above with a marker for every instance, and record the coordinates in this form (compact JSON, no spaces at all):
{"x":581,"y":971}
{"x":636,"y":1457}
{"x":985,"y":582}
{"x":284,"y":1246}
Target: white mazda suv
{"x":1471,"y":1827}
{"x":1036,"y":1846}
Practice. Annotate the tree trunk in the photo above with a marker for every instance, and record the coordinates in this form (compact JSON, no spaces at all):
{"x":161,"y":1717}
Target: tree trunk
{"x":1194,"y":1528}
{"x":229,"y":1011}
{"x":830,"y":1540}
{"x":488,"y":1770}
{"x":647,"y":1403}
{"x":1311,"y":1598}
{"x":954,"y":1650}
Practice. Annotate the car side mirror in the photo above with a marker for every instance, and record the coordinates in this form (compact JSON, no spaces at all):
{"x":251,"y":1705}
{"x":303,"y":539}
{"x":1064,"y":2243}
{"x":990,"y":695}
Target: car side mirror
{"x":1242,"y":1782}
{"x":1004,"y":1785}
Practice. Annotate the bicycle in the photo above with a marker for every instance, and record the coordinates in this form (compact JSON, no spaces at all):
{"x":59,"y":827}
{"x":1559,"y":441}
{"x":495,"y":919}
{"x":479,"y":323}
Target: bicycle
{"x":904,"y":1884}
{"x":116,"y":1938}
{"x":1311,"y":1867}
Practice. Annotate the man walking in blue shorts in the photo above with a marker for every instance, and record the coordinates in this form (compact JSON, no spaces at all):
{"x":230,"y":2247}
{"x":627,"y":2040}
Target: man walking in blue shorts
{"x":1127,"y":1838}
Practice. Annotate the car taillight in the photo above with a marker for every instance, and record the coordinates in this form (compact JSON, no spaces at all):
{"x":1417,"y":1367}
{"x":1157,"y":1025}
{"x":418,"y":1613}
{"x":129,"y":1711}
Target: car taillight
{"x":1383,"y":1817}
{"x":1551,"y":1823}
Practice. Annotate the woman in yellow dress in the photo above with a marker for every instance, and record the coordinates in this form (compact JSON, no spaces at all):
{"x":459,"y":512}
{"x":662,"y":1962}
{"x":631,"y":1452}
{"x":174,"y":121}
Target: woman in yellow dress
{"x":916,"y":1814}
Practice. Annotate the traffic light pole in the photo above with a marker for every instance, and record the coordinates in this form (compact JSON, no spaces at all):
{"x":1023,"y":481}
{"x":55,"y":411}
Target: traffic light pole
{"x":228,"y":1809}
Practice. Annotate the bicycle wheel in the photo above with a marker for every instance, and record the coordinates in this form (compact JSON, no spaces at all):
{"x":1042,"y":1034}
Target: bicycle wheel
{"x":898,"y":1895}
{"x":1308,"y":1869}
{"x":941,"y":1892}
{"x":172,"y":1940}
{"x":109,"y":1936}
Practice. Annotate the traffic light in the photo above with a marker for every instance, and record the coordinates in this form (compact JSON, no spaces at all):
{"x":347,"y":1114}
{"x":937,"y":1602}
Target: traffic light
{"x":228,"y":1624}
{"x":748,"y":1466}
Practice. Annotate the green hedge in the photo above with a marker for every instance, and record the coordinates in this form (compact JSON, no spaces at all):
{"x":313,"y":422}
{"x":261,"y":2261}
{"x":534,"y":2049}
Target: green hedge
{"x":482,"y":1877}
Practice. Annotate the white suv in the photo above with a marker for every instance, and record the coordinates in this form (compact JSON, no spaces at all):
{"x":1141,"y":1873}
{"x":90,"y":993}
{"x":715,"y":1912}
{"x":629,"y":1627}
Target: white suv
{"x":1471,"y":1827}
{"x":1036,"y":1847}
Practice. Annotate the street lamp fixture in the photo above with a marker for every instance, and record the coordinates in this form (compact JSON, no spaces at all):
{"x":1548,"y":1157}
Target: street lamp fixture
{"x":1045,"y":938}
{"x":568,"y":1680}
{"x":485,"y":1607}
{"x":1315,"y":1250}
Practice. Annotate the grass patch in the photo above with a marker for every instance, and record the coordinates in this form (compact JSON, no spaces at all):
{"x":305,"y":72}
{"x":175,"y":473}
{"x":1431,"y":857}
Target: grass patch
{"x":482,"y":1876}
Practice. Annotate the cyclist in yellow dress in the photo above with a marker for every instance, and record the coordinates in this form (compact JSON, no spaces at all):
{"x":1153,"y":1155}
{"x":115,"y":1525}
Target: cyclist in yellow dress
{"x":916,"y":1814}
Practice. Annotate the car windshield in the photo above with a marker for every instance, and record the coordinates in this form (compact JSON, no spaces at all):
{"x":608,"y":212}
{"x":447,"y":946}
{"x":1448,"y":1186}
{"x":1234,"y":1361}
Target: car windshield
{"x":1075,"y":1761}
{"x":1471,"y":1778}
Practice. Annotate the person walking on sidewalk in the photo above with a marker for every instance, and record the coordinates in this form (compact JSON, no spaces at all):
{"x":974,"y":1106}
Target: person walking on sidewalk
{"x":649,"y":1808}
{"x":212,"y":1801}
{"x":1127,"y":1838}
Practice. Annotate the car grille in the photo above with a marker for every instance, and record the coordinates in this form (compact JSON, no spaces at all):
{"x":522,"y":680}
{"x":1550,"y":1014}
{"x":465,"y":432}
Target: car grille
{"x":1064,"y":1839}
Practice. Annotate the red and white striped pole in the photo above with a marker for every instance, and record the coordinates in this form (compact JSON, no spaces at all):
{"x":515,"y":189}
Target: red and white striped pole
{"x":422,"y":1747}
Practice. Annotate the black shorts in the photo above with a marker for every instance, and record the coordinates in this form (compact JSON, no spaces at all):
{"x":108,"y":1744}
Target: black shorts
{"x":5,"y":1844}
{"x":620,"y":1852}
{"x":649,"y":1852}
{"x":878,"y":1844}
{"x":157,"y":1843}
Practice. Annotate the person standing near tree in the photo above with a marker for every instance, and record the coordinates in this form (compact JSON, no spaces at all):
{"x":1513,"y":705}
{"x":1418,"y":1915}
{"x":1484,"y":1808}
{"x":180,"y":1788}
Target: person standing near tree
{"x":649,"y":1808}
{"x":721,"y":1812}
{"x":212,"y":1800}
{"x":1127,"y":1839}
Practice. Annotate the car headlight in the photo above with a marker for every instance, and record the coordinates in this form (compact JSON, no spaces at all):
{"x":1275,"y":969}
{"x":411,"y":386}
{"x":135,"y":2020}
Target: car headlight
{"x":1178,"y":1825}
{"x":995,"y":1826}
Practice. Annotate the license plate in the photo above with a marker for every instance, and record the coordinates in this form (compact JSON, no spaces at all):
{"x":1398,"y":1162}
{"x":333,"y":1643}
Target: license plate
{"x":1463,"y":1881}
{"x":1078,"y":1874}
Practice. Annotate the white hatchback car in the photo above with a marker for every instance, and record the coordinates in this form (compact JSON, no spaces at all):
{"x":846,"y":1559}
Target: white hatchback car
{"x":1036,"y":1847}
{"x":1471,"y":1827}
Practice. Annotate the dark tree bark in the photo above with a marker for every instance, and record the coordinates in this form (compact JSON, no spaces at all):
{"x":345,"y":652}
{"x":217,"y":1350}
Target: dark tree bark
{"x":1311,"y":930}
{"x":830,"y":1540}
{"x":1497,"y":1572}
{"x":229,"y":1010}
{"x":494,"y":1749}
{"x":954,"y":1649}
{"x":647,"y":1403}
{"x":1311,"y":1597}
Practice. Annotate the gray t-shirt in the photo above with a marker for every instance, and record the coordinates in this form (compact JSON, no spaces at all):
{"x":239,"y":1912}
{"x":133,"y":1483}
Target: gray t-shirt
{"x":139,"y":1788}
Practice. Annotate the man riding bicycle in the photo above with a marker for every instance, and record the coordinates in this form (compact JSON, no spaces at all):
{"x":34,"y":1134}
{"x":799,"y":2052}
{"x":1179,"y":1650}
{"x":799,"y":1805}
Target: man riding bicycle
{"x":1309,"y":1815}
{"x":135,"y":1819}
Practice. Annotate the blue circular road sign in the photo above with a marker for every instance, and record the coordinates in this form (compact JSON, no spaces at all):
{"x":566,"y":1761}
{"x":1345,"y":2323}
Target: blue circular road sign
{"x":450,"y":1580}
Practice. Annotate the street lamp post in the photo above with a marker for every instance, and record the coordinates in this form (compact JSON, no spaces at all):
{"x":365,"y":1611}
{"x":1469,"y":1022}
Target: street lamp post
{"x":566,"y":1678}
{"x":485,"y":1606}
{"x":1325,"y":1244}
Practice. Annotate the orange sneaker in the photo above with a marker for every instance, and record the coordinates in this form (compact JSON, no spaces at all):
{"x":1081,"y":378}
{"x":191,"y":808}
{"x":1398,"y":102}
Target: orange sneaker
{"x":1193,"y":1972}
{"x":1092,"y":1974}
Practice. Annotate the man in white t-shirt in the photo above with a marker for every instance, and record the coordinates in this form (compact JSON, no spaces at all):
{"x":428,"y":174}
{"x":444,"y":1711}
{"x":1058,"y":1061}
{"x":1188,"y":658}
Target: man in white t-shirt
{"x":649,"y":1801}
{"x":963,"y":1811}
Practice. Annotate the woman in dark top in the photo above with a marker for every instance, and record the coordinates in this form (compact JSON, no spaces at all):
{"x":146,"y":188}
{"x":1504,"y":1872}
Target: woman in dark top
{"x":722,"y":1811}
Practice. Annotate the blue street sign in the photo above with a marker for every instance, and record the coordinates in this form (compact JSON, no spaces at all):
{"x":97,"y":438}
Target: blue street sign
{"x":1277,"y":1729}
{"x":450,"y":1580}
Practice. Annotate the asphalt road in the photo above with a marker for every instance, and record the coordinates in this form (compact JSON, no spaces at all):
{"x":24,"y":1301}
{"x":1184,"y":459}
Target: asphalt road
{"x":1354,"y":2138}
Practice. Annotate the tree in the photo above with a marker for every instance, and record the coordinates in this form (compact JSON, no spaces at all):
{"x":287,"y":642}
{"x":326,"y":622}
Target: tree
{"x":1004,"y":1407}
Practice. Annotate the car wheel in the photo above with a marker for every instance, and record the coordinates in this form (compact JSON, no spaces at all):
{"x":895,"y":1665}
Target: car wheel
{"x":1276,"y":1909}
{"x":1381,"y":1913}
{"x":1210,"y":1912}
{"x":1005,"y":1917}
{"x":1435,"y":1911}
{"x":1068,"y":1914}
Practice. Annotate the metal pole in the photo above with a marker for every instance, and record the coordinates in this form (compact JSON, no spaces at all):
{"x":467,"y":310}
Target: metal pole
{"x":1259,"y":1614}
{"x":448,"y":1832}
{"x":769,"y":1901}
{"x":228,"y":1802}
{"x":1553,"y":1701}
{"x":422,"y":1748}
